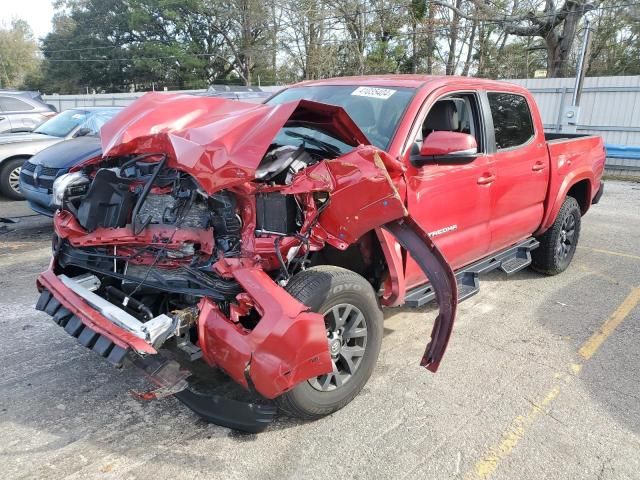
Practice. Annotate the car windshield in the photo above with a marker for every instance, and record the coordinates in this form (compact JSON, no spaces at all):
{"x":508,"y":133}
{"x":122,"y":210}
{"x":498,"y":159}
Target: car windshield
{"x":376,"y":110}
{"x":66,"y":122}
{"x":313,"y":139}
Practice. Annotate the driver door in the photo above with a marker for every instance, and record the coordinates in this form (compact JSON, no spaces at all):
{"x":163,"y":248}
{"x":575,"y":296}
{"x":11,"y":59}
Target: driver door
{"x":451,"y":202}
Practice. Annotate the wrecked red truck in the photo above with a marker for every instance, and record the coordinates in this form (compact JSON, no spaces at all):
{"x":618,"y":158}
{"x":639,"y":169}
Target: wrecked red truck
{"x":263,"y":239}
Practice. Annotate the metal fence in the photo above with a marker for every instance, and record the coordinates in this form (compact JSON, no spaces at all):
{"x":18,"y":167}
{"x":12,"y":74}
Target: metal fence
{"x":65,"y":102}
{"x":609,"y":106}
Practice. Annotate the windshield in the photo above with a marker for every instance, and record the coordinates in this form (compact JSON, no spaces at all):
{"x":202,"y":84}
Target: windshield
{"x":66,"y":122}
{"x":376,"y":110}
{"x":299,"y":135}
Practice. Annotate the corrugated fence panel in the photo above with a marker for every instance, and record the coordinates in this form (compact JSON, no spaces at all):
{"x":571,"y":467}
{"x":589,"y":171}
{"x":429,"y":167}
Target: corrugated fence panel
{"x":610,"y":106}
{"x":65,"y":102}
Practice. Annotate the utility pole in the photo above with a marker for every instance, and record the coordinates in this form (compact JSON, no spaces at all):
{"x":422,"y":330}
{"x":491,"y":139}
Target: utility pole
{"x":582,"y":65}
{"x":4,"y":69}
{"x":571,"y":113}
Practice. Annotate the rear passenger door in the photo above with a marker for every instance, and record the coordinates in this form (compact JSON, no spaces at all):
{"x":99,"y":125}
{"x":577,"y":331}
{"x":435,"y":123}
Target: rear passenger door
{"x":20,"y":114}
{"x":521,"y":163}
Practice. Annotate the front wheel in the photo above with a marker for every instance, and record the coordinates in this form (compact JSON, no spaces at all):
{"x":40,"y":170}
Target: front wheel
{"x":10,"y":179}
{"x":354,"y":326}
{"x":558,"y":244}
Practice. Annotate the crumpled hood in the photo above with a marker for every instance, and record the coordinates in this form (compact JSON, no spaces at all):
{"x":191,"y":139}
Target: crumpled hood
{"x":68,"y":153}
{"x":219,"y":142}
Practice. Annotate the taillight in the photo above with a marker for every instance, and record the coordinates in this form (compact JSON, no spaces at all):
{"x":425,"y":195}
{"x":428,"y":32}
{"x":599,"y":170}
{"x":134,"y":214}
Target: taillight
{"x":49,"y":114}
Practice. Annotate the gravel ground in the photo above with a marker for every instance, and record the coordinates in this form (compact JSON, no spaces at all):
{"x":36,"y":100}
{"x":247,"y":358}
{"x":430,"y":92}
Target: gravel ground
{"x":540,"y":381}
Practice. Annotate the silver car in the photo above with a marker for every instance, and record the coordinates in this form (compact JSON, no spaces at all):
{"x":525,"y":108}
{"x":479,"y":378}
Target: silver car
{"x":22,"y":111}
{"x":16,"y":148}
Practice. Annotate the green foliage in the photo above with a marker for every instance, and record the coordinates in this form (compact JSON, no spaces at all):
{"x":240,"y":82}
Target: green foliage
{"x":18,"y":54}
{"x":121,"y":45}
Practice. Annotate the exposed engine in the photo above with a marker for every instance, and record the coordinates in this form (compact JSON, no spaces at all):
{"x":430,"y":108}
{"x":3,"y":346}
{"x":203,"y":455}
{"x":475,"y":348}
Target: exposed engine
{"x":166,"y":235}
{"x":171,"y":270}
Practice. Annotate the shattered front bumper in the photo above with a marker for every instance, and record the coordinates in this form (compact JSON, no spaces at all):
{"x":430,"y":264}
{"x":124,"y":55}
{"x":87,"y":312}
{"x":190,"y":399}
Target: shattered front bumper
{"x":83,"y":322}
{"x":288,"y":347}
{"x":112,"y":342}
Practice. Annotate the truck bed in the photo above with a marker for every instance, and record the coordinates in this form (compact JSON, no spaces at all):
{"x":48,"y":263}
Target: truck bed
{"x":575,"y":159}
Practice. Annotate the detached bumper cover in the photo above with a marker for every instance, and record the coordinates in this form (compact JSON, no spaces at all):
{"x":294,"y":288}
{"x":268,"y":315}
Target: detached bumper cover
{"x":246,"y":417}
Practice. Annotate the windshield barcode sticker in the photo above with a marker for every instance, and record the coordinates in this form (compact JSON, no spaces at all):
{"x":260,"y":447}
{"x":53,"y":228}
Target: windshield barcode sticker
{"x":374,"y":92}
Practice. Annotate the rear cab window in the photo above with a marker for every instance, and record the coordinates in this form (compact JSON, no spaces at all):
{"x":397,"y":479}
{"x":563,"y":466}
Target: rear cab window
{"x":512,"y":121}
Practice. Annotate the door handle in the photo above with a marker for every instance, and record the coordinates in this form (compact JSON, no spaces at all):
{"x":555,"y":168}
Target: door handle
{"x":2,"y":118}
{"x":538,"y":166}
{"x":486,"y":179}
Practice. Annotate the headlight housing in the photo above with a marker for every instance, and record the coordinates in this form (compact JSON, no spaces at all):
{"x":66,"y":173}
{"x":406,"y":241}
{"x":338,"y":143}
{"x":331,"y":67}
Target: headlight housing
{"x":69,"y":185}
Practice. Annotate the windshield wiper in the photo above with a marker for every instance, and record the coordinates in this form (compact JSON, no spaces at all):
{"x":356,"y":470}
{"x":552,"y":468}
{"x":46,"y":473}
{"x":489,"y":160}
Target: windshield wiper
{"x":327,"y":147}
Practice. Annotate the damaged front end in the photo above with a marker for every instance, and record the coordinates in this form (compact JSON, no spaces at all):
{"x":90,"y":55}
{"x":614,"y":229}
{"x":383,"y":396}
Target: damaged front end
{"x":185,"y":232}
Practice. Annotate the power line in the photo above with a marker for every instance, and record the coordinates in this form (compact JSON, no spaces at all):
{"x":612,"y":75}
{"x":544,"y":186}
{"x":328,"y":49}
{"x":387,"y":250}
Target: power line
{"x":502,"y":20}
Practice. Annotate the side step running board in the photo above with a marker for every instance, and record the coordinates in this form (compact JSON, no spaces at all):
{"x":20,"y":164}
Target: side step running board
{"x":509,"y":260}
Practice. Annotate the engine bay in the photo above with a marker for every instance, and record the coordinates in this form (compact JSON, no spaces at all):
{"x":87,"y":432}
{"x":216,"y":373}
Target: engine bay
{"x":157,"y":242}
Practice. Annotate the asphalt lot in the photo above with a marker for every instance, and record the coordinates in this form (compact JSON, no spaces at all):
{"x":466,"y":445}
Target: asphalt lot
{"x":540,"y":381}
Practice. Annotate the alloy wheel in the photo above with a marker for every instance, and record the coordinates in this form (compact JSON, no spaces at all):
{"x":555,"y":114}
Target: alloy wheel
{"x":14,"y":179}
{"x":347,"y":337}
{"x":566,"y":240}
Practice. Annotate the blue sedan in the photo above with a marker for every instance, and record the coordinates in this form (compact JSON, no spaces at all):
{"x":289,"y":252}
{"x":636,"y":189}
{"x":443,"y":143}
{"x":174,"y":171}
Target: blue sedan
{"x":40,"y":171}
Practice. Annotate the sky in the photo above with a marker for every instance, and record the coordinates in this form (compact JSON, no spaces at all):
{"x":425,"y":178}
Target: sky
{"x":37,"y":13}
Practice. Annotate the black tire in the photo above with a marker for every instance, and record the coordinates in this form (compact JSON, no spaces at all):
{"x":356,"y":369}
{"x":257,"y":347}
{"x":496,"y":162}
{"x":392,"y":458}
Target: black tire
{"x":9,"y":173}
{"x":558,"y":244}
{"x":328,"y":289}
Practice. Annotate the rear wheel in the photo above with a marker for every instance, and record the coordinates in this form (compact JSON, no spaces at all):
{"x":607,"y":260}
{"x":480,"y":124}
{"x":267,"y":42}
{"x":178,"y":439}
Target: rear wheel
{"x":10,"y":178}
{"x":558,"y":244}
{"x":354,"y":326}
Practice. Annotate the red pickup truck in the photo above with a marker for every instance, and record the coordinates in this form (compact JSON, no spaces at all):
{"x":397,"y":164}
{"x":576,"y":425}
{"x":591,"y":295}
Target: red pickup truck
{"x":263,"y":239}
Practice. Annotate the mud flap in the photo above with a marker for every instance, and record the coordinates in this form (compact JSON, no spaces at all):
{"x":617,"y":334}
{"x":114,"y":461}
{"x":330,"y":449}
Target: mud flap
{"x":417,"y":242}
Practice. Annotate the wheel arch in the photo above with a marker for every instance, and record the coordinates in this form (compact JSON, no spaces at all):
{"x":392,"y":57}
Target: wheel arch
{"x":6,"y":168}
{"x":21,"y":156}
{"x":581,"y":191}
{"x":580,"y":183}
{"x":376,"y":256}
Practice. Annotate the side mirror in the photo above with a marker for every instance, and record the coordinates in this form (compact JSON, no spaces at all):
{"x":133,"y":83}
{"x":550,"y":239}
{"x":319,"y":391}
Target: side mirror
{"x":446,"y":148}
{"x":82,"y":132}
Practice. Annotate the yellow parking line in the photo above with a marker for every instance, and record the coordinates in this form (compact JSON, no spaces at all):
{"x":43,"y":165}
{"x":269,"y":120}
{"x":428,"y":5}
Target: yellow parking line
{"x":510,"y":438}
{"x":488,"y":464}
{"x":591,"y":346}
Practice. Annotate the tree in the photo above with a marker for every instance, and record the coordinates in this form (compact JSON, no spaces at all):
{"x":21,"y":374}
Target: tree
{"x":615,"y":46}
{"x":305,"y":38}
{"x":18,"y":54}
{"x":117,"y":45}
{"x":557,"y":26}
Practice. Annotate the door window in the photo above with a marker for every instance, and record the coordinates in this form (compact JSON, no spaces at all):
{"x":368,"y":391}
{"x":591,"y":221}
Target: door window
{"x":512,"y":120}
{"x":10,"y":104}
{"x":455,"y":113}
